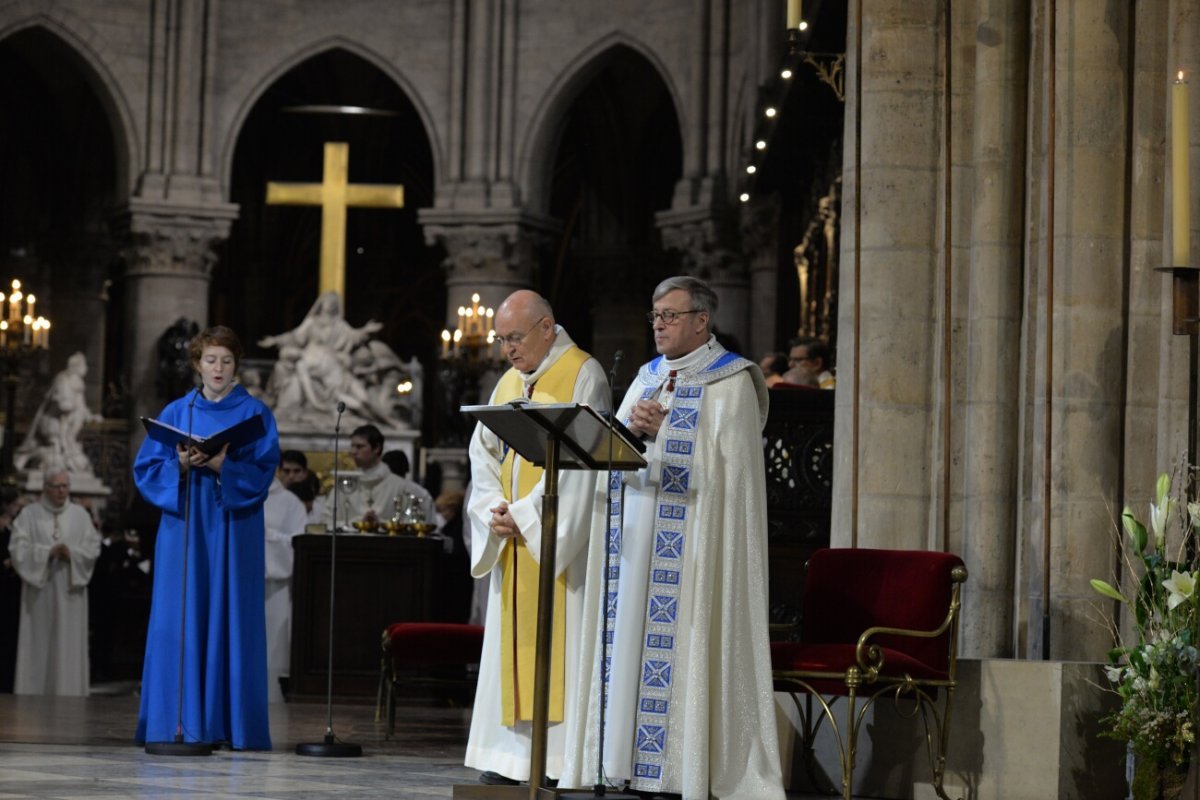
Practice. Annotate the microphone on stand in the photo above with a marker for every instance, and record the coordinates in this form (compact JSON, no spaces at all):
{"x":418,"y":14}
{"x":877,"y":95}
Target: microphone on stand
{"x":178,"y":747}
{"x":600,"y":788}
{"x":331,"y":747}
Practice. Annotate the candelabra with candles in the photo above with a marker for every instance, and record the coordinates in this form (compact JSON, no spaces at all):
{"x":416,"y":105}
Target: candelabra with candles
{"x":469,"y":353}
{"x":23,"y":336}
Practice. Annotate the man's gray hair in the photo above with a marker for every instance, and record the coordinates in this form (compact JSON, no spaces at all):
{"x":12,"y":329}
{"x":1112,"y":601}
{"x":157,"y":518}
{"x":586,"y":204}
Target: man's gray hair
{"x":54,"y":467}
{"x":703,"y":298}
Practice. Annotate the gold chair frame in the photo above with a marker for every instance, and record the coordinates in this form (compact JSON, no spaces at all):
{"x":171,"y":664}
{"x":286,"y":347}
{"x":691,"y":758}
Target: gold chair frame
{"x":861,"y":680}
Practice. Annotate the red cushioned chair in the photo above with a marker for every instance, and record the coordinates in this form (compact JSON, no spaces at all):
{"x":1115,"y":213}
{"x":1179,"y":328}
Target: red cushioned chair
{"x":876,"y":624}
{"x":419,"y":653}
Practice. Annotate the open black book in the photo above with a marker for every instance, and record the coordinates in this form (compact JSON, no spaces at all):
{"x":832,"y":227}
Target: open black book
{"x":249,"y":430}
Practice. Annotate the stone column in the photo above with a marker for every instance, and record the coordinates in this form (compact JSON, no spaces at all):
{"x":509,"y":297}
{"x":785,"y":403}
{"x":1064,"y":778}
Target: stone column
{"x":760,"y":241}
{"x":991,"y":421}
{"x":897,"y":308}
{"x":709,"y":252}
{"x":491,"y":254}
{"x":618,"y":315}
{"x":168,"y":260}
{"x":1088,"y":383}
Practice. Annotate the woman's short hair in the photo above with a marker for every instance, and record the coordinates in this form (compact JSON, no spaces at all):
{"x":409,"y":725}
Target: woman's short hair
{"x":216,"y":336}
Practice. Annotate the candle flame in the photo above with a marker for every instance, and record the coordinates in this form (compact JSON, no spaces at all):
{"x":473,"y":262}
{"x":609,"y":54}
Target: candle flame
{"x":1179,"y":76}
{"x":445,"y":336}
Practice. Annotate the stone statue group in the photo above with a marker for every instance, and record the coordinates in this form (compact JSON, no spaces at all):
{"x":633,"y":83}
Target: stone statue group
{"x":322,"y":362}
{"x":325,"y":360}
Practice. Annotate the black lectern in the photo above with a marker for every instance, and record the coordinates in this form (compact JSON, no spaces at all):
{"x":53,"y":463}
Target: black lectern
{"x":553,"y":436}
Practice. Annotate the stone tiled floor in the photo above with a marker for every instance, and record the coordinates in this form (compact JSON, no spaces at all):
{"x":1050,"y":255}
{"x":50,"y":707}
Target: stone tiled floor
{"x":72,"y":749}
{"x":82,"y":749}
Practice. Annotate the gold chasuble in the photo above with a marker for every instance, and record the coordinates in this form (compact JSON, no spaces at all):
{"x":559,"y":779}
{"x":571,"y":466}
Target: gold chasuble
{"x":519,"y":589}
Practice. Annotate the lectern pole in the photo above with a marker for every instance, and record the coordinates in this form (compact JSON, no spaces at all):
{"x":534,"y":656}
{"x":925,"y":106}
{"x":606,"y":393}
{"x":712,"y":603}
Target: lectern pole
{"x":545,"y":620}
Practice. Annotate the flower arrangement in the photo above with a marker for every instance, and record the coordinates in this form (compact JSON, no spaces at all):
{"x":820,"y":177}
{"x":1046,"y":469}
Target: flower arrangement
{"x":1155,"y":671}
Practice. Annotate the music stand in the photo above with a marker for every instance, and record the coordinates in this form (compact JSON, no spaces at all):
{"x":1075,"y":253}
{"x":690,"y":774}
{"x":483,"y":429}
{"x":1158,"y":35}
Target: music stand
{"x":553,"y":436}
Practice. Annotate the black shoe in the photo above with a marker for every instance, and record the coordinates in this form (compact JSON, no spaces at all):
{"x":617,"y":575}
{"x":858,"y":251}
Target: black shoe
{"x":496,"y":779}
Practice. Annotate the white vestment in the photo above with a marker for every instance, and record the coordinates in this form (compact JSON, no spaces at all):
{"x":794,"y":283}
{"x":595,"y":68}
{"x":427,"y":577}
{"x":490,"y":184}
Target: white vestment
{"x":52,"y":646}
{"x":377,"y":488}
{"x":690,"y":703}
{"x":284,"y":516}
{"x":492,"y":746}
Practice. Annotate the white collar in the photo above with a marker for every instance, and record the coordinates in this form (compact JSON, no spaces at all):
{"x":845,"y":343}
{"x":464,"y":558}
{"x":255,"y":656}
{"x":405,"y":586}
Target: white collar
{"x":562,"y":342}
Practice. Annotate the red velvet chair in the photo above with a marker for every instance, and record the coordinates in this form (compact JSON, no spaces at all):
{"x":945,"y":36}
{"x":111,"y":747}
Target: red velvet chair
{"x":876,"y":624}
{"x":418,"y":654}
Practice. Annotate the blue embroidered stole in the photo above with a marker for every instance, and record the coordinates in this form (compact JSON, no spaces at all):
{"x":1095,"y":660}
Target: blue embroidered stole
{"x":672,"y":506}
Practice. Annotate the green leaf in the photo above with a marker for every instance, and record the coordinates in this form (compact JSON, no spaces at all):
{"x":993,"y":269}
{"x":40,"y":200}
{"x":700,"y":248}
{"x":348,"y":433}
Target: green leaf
{"x":1107,"y":590}
{"x":1135,"y":529}
{"x":1164,"y":486}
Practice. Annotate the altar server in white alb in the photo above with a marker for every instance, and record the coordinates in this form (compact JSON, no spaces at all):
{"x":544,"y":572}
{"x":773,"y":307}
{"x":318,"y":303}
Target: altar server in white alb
{"x":54,"y":548}
{"x":505,"y":518}
{"x":690,"y":710}
{"x":284,"y":516}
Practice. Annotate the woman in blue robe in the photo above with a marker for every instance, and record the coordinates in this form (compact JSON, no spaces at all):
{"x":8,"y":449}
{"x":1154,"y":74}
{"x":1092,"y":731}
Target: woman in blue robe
{"x":224,"y":651}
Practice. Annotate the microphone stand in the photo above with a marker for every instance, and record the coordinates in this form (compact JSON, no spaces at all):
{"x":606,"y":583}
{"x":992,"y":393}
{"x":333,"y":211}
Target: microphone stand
{"x":331,"y":747}
{"x":600,"y":788}
{"x":178,"y":747}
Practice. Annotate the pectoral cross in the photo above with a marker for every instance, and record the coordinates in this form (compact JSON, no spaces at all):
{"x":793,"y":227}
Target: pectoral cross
{"x":334,"y":194}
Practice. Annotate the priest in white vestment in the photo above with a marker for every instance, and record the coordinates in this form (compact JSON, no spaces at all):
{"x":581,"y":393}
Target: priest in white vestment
{"x":284,"y":516}
{"x":690,"y":703}
{"x":504,"y":512}
{"x":54,"y":548}
{"x":375,"y":487}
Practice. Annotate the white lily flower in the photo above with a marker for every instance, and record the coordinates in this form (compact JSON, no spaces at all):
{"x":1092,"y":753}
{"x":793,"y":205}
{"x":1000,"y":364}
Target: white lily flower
{"x":1159,"y":514}
{"x":1114,"y":673}
{"x":1181,"y":585}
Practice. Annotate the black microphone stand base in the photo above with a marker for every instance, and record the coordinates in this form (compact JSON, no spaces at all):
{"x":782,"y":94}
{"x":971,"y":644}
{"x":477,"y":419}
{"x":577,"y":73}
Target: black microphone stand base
{"x":179,"y":748}
{"x":330,"y":748}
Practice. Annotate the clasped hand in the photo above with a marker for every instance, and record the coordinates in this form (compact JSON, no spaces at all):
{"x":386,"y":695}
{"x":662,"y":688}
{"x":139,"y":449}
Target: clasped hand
{"x":646,"y":417}
{"x":60,"y":551}
{"x":502,"y":524}
{"x":195,"y":457}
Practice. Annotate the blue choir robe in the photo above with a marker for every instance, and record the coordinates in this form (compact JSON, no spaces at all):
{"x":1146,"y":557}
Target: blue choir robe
{"x":225,"y":655}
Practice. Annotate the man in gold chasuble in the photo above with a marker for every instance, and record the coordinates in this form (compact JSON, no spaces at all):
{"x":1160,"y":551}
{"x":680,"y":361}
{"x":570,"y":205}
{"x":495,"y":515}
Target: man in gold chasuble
{"x":505,"y":517}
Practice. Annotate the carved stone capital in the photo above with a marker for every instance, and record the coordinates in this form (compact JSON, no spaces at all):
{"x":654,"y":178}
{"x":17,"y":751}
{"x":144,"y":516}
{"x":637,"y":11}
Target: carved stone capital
{"x":758,"y":224}
{"x":706,"y":240}
{"x":171,"y":239}
{"x":487,"y":247}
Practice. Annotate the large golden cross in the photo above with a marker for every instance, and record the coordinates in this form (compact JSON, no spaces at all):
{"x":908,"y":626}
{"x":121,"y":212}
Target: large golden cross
{"x":334,"y":194}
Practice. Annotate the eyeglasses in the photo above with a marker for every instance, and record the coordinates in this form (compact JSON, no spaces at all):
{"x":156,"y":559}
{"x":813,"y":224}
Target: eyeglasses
{"x":799,"y":359}
{"x":514,"y":339}
{"x":668,"y":316}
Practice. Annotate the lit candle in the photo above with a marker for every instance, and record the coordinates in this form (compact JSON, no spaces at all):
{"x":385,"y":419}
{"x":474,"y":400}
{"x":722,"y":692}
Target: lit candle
{"x":794,"y":14}
{"x":462,"y":315}
{"x":14,"y":303}
{"x":458,"y":334}
{"x":27,"y":329}
{"x":445,"y":343}
{"x":46,"y":334}
{"x":29,"y":301}
{"x":1181,"y":225}
{"x":4,"y":333}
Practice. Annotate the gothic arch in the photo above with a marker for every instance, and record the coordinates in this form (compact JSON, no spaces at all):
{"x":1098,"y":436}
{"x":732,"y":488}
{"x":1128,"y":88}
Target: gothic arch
{"x":94,"y":57}
{"x":312,"y":50}
{"x":546,"y":124}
